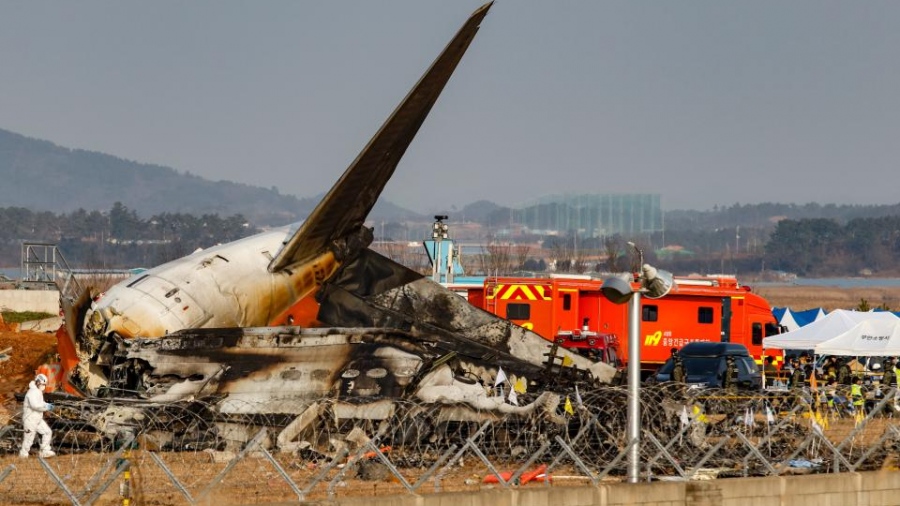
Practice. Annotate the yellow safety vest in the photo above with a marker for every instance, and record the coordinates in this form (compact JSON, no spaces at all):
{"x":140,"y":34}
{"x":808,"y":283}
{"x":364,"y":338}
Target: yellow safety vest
{"x":856,"y":393}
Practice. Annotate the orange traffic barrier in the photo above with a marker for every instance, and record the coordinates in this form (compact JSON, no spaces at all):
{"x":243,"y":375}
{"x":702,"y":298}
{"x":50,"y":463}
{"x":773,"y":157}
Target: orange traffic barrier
{"x":492,"y":478}
{"x":538,"y":474}
{"x":372,"y":455}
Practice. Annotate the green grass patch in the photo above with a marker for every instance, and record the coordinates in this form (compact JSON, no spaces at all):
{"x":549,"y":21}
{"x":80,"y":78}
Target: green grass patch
{"x":24,"y":316}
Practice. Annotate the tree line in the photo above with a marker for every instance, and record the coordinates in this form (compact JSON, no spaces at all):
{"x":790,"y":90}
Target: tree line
{"x":809,"y":247}
{"x":819,"y":247}
{"x":117,"y":238}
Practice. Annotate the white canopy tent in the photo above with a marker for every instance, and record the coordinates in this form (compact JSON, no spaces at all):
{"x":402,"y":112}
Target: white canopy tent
{"x":869,"y":338}
{"x":828,"y":327}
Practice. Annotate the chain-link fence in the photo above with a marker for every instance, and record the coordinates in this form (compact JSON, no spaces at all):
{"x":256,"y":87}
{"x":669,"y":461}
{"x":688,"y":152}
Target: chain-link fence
{"x":192,"y":452}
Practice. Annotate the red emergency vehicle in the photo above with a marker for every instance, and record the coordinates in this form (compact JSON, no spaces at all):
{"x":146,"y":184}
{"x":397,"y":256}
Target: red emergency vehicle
{"x":713,"y":308}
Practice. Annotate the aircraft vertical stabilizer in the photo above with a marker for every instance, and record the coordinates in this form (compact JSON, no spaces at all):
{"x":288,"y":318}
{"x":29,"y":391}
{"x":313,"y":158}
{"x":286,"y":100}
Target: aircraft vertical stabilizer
{"x":338,"y":218}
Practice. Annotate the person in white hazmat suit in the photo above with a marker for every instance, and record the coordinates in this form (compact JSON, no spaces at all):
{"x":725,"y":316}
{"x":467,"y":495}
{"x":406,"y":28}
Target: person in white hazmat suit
{"x":33,"y":418}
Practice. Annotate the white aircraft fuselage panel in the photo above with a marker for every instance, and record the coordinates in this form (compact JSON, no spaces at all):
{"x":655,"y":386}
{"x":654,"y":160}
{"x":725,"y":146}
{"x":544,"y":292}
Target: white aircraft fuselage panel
{"x":223,"y":286}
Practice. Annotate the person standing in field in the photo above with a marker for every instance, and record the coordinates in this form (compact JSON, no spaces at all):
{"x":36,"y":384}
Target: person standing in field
{"x":678,"y":372}
{"x":770,"y":371}
{"x":798,"y":375}
{"x":33,"y":418}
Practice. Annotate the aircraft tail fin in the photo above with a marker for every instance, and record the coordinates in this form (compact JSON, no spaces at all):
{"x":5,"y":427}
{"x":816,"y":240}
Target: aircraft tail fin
{"x":344,"y":209}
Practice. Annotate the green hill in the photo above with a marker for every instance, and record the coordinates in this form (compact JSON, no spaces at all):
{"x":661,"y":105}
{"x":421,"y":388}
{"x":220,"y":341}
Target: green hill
{"x":42,"y":176}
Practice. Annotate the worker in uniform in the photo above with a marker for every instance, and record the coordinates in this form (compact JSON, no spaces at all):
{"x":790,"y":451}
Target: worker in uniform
{"x":678,"y":372}
{"x":829,"y":367}
{"x":896,"y":363}
{"x":844,"y":376}
{"x":33,"y":418}
{"x":731,"y":375}
{"x":896,"y":405}
{"x":798,"y":375}
{"x":837,"y":402}
{"x":770,"y":371}
{"x":889,"y":377}
{"x":856,"y":394}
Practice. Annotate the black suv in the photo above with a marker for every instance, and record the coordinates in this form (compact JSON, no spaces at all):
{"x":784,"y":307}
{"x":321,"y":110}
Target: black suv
{"x":704,"y":364}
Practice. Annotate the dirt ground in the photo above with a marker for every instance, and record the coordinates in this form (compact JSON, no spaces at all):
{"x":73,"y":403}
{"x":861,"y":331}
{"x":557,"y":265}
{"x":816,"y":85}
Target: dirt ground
{"x":29,"y":350}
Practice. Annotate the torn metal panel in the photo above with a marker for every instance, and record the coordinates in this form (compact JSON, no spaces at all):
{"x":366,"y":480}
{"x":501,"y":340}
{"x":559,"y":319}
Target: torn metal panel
{"x":286,"y":370}
{"x":374,"y":291}
{"x":285,"y":365}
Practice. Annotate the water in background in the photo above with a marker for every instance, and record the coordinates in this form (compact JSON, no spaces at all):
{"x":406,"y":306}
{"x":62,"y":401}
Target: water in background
{"x":835,"y":282}
{"x":11,"y":272}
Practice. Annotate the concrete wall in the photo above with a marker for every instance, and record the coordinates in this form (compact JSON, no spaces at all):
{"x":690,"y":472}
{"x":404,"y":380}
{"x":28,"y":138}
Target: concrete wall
{"x":30,"y":300}
{"x":846,"y":489}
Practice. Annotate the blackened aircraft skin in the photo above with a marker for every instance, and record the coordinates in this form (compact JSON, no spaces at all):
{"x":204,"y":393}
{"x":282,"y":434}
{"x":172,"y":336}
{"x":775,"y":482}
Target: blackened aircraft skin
{"x":248,"y":283}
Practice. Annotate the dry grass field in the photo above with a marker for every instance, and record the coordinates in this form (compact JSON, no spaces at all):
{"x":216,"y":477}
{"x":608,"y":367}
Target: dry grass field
{"x":829,"y":298}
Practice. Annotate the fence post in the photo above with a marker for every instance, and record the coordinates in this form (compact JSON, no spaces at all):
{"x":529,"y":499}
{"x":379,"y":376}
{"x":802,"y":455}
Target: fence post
{"x":518,"y":474}
{"x":181,"y":488}
{"x":6,"y":472}
{"x":665,"y":452}
{"x":124,"y":467}
{"x":109,"y":463}
{"x":580,"y":464}
{"x":434,"y":467}
{"x":251,"y":445}
{"x":341,"y":455}
{"x":283,"y":474}
{"x":59,"y":482}
{"x":469,"y":441}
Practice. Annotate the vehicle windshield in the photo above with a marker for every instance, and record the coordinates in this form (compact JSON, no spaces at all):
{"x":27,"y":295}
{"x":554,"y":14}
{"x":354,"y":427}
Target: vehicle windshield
{"x":701,"y":365}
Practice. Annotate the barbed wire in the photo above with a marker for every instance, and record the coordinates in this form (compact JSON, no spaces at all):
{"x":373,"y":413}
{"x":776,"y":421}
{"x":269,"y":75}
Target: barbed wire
{"x":183,"y":446}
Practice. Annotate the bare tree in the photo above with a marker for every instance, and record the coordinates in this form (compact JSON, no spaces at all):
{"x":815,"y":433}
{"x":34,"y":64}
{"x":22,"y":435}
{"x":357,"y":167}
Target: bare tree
{"x":637,"y":259}
{"x":521,"y":253}
{"x":496,"y":259}
{"x":392,"y":250}
{"x":579,"y":262}
{"x":561,"y":255}
{"x":400,"y":252}
{"x":613,"y":248}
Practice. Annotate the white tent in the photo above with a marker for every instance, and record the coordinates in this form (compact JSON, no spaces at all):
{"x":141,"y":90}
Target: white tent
{"x":866,"y":339}
{"x":830,"y":326}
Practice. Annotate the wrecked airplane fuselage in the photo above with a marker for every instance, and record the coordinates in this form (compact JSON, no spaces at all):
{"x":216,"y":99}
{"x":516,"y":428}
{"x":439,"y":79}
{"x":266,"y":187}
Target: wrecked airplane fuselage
{"x":284,"y":370}
{"x":224,"y":286}
{"x":410,"y":339}
{"x":406,"y":339}
{"x":196,"y":328}
{"x":250,"y":282}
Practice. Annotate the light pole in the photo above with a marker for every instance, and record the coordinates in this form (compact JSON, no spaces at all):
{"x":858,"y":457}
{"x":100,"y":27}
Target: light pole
{"x":653,"y":283}
{"x":438,"y":233}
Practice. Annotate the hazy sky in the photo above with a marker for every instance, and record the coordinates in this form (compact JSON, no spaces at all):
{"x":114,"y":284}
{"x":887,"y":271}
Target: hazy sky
{"x":704,"y":102}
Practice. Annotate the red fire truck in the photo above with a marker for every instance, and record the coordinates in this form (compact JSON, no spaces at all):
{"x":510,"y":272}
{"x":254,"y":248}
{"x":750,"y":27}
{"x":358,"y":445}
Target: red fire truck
{"x":573,"y":312}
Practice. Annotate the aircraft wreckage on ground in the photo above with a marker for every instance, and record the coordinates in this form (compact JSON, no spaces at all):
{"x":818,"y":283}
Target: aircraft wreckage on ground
{"x":199,"y":327}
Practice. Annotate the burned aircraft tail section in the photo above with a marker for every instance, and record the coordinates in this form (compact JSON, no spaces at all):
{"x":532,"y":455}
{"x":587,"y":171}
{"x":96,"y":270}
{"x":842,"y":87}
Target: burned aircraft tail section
{"x":337,"y":221}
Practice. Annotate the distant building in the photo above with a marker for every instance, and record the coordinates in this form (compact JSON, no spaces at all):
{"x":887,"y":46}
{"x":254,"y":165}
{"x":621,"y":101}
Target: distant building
{"x":594,"y":215}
